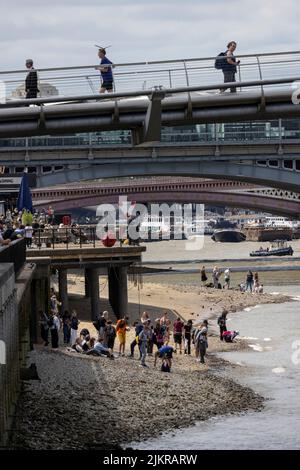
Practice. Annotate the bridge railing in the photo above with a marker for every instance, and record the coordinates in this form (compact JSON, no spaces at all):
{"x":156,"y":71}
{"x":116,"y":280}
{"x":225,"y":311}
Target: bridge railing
{"x":85,"y":80}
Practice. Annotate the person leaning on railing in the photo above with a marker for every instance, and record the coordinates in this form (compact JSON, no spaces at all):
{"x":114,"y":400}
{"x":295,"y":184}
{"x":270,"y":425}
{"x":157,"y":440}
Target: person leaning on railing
{"x":2,"y":241}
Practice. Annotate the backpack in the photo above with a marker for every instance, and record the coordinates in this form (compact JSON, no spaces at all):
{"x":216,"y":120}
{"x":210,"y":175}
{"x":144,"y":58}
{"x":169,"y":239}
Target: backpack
{"x":221,"y":61}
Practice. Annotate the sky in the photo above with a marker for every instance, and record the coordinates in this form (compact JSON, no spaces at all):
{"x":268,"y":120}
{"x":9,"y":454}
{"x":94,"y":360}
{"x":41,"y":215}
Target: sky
{"x":63,"y":32}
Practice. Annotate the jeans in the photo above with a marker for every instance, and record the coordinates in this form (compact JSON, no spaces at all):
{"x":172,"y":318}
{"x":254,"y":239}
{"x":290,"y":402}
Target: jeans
{"x":249,"y":284}
{"x":222,"y":329}
{"x":229,"y":76}
{"x":54,"y":338}
{"x":44,"y":334}
{"x":202,"y":352}
{"x":132,"y":346}
{"x":143,"y":349}
{"x":187,"y":345}
{"x":67,"y":333}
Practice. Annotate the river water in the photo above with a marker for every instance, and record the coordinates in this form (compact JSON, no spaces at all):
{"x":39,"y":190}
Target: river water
{"x":271,"y":368}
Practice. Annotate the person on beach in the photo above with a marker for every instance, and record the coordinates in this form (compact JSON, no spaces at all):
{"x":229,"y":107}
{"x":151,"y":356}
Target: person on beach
{"x":222,"y":323}
{"x":158,"y":335}
{"x":165,"y":324}
{"x":102,"y":323}
{"x":100,"y":350}
{"x":54,"y":326}
{"x":144,"y":317}
{"x":249,"y":281}
{"x":203,"y":275}
{"x":201,"y":343}
{"x":215,"y":277}
{"x":121,"y":329}
{"x":66,"y":321}
{"x":165,"y":353}
{"x":177,"y":332}
{"x":44,"y":319}
{"x":229,"y":336}
{"x":188,"y":336}
{"x":226,"y":279}
{"x":150,"y":340}
{"x":74,"y":327}
{"x":144,"y":337}
{"x":138,"y":328}
{"x":109,"y":335}
{"x":229,"y":67}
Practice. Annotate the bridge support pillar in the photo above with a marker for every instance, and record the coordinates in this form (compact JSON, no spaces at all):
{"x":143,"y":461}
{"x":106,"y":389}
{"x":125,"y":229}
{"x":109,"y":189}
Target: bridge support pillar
{"x":87,"y":290}
{"x":152,"y":125}
{"x":92,"y":275}
{"x":63,"y":289}
{"x":118,"y":291}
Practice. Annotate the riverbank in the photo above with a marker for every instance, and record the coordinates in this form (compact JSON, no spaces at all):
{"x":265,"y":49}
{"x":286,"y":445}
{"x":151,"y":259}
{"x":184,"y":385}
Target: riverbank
{"x":86,"y":402}
{"x":82,"y":402}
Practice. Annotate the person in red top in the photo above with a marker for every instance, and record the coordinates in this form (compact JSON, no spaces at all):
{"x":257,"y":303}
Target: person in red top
{"x":177,"y":332}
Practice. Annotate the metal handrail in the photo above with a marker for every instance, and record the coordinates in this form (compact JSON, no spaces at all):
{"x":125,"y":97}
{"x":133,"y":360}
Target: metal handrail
{"x":147,"y":93}
{"x":131,"y":64}
{"x":130,"y":75}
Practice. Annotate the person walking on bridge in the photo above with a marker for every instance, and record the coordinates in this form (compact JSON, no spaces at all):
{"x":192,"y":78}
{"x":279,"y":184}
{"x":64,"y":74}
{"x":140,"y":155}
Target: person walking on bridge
{"x":229,"y":66}
{"x":106,"y":72}
{"x":31,"y":81}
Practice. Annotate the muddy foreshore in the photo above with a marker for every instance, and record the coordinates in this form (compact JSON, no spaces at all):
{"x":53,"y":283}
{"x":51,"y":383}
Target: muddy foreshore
{"x":93,"y":403}
{"x":83,"y":402}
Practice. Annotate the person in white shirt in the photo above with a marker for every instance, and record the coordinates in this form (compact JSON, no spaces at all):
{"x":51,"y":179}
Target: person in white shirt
{"x":28,"y":235}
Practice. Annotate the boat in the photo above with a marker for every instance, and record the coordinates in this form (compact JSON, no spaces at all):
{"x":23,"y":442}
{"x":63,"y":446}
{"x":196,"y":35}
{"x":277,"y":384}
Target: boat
{"x":277,"y":248}
{"x":268,"y":229}
{"x":228,"y":235}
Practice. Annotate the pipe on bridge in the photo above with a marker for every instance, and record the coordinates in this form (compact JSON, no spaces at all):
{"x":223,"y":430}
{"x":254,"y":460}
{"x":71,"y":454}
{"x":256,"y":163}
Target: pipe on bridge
{"x":68,"y":118}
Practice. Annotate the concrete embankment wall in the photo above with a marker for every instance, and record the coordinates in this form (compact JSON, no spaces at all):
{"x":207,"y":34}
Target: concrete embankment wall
{"x":15,"y":339}
{"x":9,"y":360}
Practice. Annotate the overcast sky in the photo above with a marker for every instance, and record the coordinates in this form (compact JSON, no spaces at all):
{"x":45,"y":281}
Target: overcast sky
{"x":63,"y":32}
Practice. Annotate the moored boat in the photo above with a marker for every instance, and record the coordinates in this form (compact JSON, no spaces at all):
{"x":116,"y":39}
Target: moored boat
{"x":277,"y":248}
{"x":228,"y":235}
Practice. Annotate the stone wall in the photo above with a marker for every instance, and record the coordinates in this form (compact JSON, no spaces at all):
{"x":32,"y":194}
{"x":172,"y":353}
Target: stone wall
{"x":9,"y":360}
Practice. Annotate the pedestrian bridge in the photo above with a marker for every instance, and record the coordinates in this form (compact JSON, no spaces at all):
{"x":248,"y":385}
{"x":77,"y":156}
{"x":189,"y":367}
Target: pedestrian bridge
{"x":150,"y":95}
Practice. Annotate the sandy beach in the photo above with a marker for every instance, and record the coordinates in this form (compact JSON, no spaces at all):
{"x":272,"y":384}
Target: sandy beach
{"x":84,"y":402}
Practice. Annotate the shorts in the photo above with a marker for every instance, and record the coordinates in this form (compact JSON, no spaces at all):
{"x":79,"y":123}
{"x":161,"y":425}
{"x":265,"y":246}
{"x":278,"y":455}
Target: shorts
{"x":108,"y":85}
{"x":122,"y":337}
{"x":177,"y":338}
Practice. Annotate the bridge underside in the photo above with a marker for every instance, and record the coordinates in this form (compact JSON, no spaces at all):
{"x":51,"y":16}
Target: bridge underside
{"x":272,"y":205}
{"x":189,"y":166}
{"x":145,"y":116}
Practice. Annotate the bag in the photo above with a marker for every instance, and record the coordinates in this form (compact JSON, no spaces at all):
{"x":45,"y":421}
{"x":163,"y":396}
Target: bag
{"x":221,"y":61}
{"x":50,"y":322}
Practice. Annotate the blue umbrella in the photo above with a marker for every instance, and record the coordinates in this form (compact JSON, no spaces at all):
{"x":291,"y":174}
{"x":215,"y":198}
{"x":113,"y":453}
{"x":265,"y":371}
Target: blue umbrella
{"x":24,"y":198}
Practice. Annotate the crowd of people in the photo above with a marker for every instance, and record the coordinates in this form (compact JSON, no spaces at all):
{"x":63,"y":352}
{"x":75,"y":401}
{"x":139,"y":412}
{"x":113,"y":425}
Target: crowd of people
{"x":151,"y":338}
{"x":15,"y":224}
{"x":252,"y":283}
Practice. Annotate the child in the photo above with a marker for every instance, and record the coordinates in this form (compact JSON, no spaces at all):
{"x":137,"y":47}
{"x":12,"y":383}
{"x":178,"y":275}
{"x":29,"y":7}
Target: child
{"x":166,"y":354}
{"x":121,"y":329}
